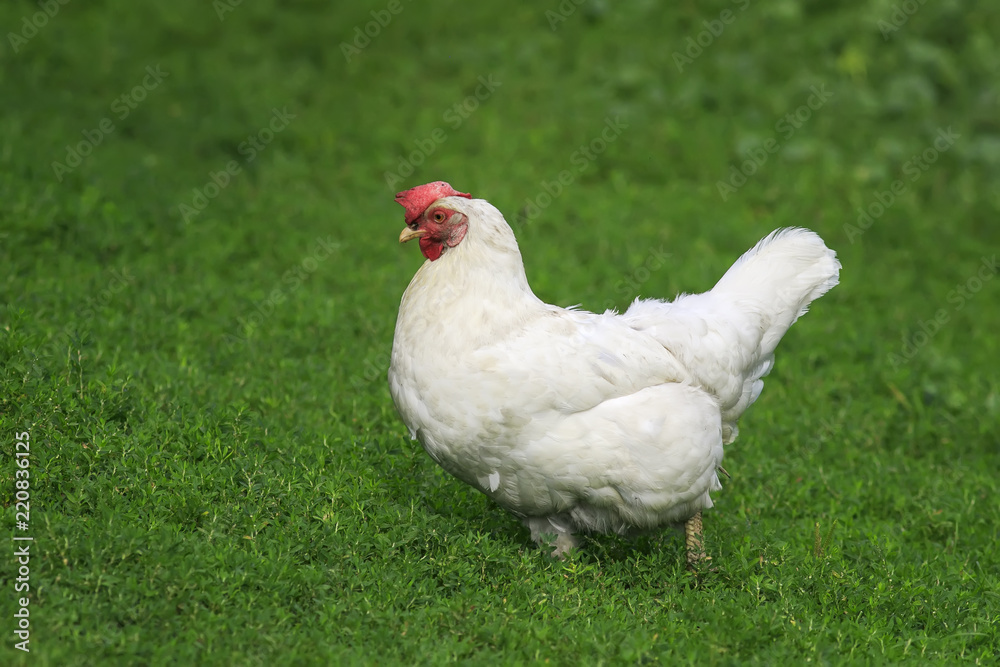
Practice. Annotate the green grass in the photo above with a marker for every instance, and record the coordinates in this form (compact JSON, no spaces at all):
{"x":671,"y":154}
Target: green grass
{"x":218,"y":475}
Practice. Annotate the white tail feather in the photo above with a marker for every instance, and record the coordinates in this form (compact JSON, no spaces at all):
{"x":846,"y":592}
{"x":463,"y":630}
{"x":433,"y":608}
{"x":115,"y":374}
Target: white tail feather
{"x":726,"y":337}
{"x":785,"y":272}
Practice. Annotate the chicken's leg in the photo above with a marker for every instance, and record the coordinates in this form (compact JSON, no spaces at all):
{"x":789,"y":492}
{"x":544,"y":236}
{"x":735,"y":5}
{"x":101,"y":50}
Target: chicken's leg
{"x":552,"y":531}
{"x":692,"y":539}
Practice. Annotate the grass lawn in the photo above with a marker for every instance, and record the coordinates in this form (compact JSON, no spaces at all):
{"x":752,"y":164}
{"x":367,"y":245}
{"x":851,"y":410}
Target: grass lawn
{"x":201,"y":275}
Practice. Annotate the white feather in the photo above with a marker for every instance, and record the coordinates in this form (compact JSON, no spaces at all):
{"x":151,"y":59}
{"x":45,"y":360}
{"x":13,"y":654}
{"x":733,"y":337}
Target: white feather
{"x":582,"y":421}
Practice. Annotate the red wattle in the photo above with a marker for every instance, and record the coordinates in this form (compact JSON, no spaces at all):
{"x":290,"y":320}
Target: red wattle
{"x":432,"y":249}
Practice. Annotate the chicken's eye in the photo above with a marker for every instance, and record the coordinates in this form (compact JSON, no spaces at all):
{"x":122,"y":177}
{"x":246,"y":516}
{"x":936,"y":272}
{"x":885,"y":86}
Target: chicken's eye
{"x":438,"y":216}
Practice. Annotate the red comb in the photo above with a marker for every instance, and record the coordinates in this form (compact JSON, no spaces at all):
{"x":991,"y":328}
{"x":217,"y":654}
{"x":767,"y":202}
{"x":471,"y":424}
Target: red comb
{"x":416,"y":200}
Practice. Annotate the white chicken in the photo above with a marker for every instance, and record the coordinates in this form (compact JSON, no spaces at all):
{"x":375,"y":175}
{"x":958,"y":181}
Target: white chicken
{"x":577,"y":421}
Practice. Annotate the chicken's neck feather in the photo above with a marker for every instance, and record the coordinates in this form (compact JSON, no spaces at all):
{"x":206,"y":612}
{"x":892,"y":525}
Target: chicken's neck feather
{"x":478,"y":286}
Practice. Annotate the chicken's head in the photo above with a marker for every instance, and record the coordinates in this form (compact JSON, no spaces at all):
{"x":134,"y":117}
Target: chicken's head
{"x":435,"y":224}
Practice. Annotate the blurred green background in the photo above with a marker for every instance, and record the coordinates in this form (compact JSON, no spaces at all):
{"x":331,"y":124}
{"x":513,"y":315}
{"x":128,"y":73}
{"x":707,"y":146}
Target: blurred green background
{"x":201,"y":276}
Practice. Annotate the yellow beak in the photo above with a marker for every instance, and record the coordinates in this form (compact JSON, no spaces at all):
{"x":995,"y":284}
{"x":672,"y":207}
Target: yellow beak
{"x":409,"y":234}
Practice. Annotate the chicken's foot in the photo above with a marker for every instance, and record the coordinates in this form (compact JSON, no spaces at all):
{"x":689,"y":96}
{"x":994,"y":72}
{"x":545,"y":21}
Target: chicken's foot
{"x":693,"y":541}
